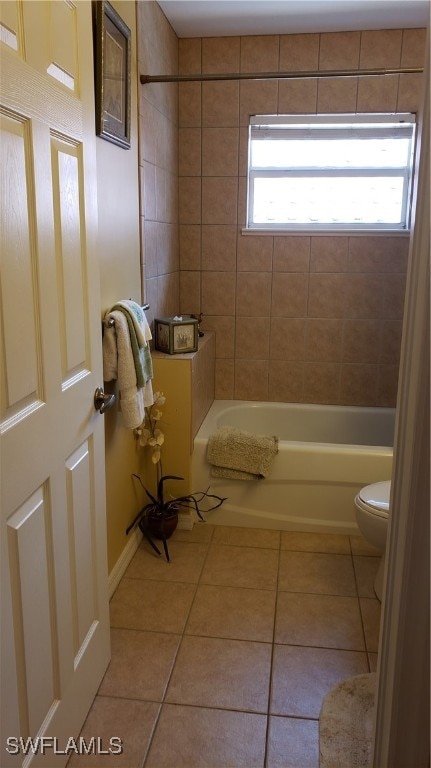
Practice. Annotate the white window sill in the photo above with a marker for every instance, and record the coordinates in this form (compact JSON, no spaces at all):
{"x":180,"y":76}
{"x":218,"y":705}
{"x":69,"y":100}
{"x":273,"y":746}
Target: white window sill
{"x":332,"y":232}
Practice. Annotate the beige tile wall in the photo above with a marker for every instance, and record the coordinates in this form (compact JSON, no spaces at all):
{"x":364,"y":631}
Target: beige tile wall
{"x":158,"y":162}
{"x":298,"y":318}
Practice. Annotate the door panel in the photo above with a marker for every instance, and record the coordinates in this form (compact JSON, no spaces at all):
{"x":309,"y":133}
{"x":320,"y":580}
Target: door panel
{"x":55,"y":624}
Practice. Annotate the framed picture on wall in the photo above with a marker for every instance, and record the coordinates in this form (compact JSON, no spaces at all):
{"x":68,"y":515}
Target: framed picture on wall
{"x":112,"y":59}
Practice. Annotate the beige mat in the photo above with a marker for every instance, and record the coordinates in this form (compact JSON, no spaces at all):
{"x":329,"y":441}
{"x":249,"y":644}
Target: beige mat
{"x":346,"y":724}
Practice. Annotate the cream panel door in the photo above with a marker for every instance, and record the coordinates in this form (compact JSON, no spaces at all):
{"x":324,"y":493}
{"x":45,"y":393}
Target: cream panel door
{"x":54,"y":599}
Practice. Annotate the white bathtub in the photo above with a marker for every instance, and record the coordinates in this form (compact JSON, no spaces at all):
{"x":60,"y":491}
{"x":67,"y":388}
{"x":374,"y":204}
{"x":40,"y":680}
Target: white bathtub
{"x":326,"y":454}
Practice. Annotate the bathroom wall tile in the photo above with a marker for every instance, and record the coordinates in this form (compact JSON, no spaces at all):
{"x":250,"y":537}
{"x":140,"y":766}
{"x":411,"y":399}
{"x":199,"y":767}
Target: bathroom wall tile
{"x":326,"y":295}
{"x":169,"y":294}
{"x":189,"y":200}
{"x":232,"y":612}
{"x":218,"y":293}
{"x":358,"y":384}
{"x":297,"y":96}
{"x":294,"y":742}
{"x":252,"y":338}
{"x":323,"y":340}
{"x":372,"y":660}
{"x":393,"y":297}
{"x":291,"y":254}
{"x":251,"y":380}
{"x":190,"y":246}
{"x":189,"y":55}
{"x":224,"y":379}
{"x":219,"y":247}
{"x":219,"y":200}
{"x":364,"y":295}
{"x":151,"y":294}
{"x":254,"y":253}
{"x":299,"y":541}
{"x":413,"y":48}
{"x":228,"y":674}
{"x":242,"y":216}
{"x":189,"y":152}
{"x":378,"y":254}
{"x":302,"y":677}
{"x":260,"y":53}
{"x":286,"y":381}
{"x":289,"y":294}
{"x":410,"y":93}
{"x":190,"y":292}
{"x":220,"y":151}
{"x":129,"y":675}
{"x":253,"y":294}
{"x":243,"y":151}
{"x":365,"y":572}
{"x":220,"y":54}
{"x":167,"y":248}
{"x":377,"y":94}
{"x":150,"y":248}
{"x":321,"y":382}
{"x":184,"y":734}
{"x":361,"y":341}
{"x":339,"y":50}
{"x":189,"y":104}
{"x":287,"y":338}
{"x":337,"y":95}
{"x":220,"y":104}
{"x":299,"y":52}
{"x":147,"y":131}
{"x":148,"y":184}
{"x":160,"y":194}
{"x":380,"y":48}
{"x":167,"y":605}
{"x":257,"y":97}
{"x":109,"y":716}
{"x":387,"y":386}
{"x":371,"y":610}
{"x":328,"y":254}
{"x":325,"y":621}
{"x":230,"y":566}
{"x":224,"y":328}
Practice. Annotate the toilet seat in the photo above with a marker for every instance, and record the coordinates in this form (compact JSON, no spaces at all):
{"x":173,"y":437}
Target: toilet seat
{"x":374,"y":498}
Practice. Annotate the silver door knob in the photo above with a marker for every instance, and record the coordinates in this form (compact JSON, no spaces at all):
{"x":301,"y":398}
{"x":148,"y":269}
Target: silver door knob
{"x":102,"y":401}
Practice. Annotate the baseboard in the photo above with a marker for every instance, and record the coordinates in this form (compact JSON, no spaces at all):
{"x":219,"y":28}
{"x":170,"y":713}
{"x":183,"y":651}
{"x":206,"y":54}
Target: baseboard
{"x":123,"y":561}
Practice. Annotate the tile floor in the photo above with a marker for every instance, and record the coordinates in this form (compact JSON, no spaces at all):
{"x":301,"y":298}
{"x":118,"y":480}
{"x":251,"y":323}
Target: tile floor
{"x":222,"y":657}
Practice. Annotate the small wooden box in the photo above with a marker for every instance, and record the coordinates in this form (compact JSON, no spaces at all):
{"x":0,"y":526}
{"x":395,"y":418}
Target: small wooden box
{"x":176,"y":336}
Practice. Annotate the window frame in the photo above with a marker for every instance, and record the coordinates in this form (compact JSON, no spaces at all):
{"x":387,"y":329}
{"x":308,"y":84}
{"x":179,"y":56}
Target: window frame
{"x":303,"y":124}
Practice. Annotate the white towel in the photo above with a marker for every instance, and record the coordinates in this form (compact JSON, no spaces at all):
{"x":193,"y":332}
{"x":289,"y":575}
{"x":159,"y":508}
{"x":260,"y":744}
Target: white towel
{"x":118,"y":364}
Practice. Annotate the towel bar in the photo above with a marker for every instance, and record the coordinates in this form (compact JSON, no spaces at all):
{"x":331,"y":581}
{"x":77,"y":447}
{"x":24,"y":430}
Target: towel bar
{"x":110,"y":323}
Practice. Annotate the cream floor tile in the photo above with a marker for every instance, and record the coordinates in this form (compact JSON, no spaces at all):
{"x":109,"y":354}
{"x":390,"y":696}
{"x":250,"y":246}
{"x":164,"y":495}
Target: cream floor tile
{"x":365,"y":572}
{"x":186,"y":561}
{"x":335,"y":543}
{"x":141,"y":663}
{"x":371,"y":610}
{"x":246,"y":537}
{"x":191,"y":737}
{"x":360,"y":546}
{"x":293,"y":743}
{"x":131,"y":721}
{"x":319,"y":620}
{"x":201,"y":532}
{"x":233,"y":612}
{"x":150,"y":605}
{"x":230,"y":674}
{"x":372,"y":659}
{"x":301,"y":677}
{"x":315,"y":572}
{"x":241,"y":567}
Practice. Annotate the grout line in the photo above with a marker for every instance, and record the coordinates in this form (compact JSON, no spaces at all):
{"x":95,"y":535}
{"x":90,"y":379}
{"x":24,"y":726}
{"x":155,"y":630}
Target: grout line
{"x":271,"y":668}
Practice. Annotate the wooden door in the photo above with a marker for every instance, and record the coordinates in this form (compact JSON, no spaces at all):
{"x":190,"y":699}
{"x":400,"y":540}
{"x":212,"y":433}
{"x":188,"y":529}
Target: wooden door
{"x":54,"y":597}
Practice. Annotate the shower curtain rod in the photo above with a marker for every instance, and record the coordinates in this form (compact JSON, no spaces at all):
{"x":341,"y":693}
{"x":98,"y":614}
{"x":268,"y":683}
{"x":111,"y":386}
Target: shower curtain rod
{"x":280,"y":75}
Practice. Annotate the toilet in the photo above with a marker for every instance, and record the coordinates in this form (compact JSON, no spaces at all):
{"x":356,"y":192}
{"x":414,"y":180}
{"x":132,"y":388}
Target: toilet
{"x":372,"y":515}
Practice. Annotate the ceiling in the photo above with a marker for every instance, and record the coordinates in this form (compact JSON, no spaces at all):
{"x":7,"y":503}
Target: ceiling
{"x":218,"y":18}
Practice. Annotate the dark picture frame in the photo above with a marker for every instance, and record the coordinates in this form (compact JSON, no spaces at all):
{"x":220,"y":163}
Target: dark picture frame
{"x":112,"y":59}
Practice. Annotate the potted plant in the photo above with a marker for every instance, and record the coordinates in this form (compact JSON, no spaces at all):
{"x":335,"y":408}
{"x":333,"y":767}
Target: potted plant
{"x":159,"y":517}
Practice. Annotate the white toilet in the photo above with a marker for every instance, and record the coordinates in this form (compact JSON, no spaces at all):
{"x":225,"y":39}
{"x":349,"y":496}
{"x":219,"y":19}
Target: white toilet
{"x":372,"y":515}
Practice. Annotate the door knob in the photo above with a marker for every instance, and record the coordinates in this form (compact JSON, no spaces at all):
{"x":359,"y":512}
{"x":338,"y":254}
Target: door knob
{"x":102,"y":401}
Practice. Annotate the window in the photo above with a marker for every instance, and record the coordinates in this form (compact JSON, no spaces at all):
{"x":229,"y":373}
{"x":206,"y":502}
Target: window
{"x":330,"y":172}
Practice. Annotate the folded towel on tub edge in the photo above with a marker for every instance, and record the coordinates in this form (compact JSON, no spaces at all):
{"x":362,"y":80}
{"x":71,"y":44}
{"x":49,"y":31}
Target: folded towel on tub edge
{"x":239,"y":455}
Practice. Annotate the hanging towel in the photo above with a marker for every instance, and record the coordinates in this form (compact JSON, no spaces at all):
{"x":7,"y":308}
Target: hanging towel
{"x":140,"y":335}
{"x":240,"y":455}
